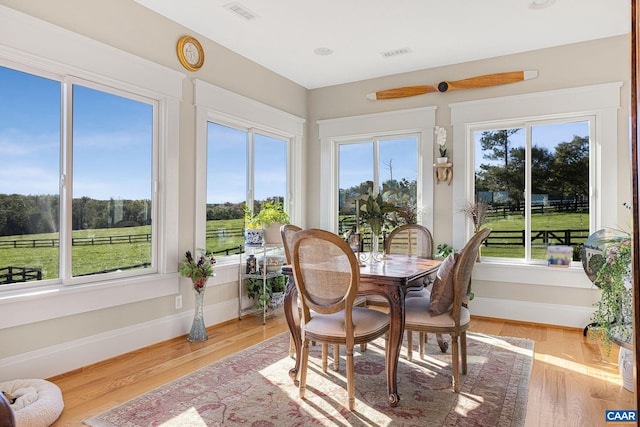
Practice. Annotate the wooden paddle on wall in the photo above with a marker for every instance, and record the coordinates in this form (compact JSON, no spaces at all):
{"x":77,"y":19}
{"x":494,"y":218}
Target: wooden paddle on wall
{"x":470,"y":83}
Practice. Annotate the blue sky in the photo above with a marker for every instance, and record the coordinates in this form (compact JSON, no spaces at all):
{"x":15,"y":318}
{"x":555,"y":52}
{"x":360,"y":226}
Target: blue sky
{"x":112,"y":140}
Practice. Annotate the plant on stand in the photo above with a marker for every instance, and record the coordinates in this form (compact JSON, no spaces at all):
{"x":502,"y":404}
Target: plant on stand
{"x":441,"y":140}
{"x":198,"y":270}
{"x":271,"y":216}
{"x":273,"y":293}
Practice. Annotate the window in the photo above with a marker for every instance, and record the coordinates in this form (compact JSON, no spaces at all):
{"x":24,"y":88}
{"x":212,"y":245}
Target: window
{"x":394,"y":148}
{"x":539,"y":161}
{"x":243,"y":166}
{"x":39,"y":140}
{"x":392,"y":161}
{"x":107,"y":180}
{"x":534,"y":180}
{"x":248,"y":153}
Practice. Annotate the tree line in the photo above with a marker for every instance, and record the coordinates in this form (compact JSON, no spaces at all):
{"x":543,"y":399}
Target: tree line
{"x":561,"y":175}
{"x":35,"y":214}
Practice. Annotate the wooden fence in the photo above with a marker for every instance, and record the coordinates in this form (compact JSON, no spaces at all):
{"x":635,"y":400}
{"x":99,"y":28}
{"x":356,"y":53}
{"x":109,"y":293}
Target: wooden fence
{"x":76,"y":241}
{"x":14,"y":274}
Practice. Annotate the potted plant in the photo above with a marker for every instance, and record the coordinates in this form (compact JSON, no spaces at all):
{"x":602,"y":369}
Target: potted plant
{"x":253,"y":232}
{"x":271,"y":296}
{"x":271,"y":216}
{"x":441,"y":140}
{"x":612,"y":320}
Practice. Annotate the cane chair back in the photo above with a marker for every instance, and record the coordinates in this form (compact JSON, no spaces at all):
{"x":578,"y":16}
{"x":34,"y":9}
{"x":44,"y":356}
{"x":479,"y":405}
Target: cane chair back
{"x":444,"y":316}
{"x":410,"y":239}
{"x":327,"y":275}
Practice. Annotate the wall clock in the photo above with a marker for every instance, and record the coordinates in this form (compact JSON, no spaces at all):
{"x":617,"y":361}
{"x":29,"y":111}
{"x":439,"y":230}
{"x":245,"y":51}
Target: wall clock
{"x":190,"y":53}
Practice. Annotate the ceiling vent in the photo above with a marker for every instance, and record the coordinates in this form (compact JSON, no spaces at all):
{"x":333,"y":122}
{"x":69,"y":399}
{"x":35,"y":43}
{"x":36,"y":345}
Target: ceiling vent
{"x":395,"y":52}
{"x":240,"y":10}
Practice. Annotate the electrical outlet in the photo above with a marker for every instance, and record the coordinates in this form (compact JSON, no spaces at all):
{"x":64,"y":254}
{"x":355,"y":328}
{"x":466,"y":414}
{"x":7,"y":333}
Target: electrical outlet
{"x":178,"y":302}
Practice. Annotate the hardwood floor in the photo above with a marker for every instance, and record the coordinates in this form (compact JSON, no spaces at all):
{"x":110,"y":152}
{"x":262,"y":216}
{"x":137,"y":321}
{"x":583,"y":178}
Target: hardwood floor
{"x":573,"y":380}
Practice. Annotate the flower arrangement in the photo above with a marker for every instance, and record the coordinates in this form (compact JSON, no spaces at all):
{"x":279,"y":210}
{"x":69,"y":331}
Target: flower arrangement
{"x":441,"y":140}
{"x":197,"y":270}
{"x":476,"y":212}
{"x":377,"y":208}
{"x":613,"y":314}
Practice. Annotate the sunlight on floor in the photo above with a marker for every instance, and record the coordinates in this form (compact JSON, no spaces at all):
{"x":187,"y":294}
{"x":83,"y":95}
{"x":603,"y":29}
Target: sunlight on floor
{"x":190,"y":417}
{"x":611,"y":377}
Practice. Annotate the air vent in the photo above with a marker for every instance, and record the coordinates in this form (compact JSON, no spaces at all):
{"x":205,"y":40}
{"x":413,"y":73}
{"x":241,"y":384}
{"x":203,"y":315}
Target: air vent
{"x":241,"y":11}
{"x":395,"y":52}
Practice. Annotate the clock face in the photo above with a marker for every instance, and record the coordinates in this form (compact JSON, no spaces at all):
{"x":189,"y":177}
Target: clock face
{"x":190,"y":53}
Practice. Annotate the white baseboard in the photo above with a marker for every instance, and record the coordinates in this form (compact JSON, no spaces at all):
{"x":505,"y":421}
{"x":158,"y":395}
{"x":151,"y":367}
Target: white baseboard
{"x":527,"y":311}
{"x":61,"y":358}
{"x":65,"y":357}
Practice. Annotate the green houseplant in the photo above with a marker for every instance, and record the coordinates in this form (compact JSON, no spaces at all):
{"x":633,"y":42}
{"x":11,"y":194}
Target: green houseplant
{"x":613,"y":315}
{"x":271,"y":216}
{"x":274,"y":286}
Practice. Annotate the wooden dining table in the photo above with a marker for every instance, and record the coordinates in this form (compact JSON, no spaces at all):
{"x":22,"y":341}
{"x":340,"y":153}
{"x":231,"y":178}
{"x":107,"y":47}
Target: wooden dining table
{"x":392,"y":277}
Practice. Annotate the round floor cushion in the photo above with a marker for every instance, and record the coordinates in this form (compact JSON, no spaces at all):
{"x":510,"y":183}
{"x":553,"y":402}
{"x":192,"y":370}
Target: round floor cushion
{"x":38,"y":403}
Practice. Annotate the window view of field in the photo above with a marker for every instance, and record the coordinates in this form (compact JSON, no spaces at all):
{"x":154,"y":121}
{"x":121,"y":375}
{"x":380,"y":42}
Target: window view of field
{"x":111,"y":138}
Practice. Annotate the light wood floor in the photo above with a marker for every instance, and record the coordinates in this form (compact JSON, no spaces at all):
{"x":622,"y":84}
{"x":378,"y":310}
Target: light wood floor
{"x":573,"y":381}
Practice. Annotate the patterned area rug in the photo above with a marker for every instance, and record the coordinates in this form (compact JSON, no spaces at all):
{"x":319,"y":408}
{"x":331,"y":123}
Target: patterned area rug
{"x":253,"y":388}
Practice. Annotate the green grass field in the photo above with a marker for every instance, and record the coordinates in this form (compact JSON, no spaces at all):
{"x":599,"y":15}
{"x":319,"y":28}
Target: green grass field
{"x":93,"y":258}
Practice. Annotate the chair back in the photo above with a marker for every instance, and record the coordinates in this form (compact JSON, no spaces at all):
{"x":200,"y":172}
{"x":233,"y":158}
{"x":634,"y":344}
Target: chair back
{"x":287,"y":232}
{"x":326,"y":273}
{"x":410,"y":239}
{"x":463,"y":269}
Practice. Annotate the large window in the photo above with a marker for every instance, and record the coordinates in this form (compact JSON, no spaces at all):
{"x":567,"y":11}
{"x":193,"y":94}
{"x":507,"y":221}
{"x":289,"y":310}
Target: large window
{"x":77,"y":202}
{"x":389,"y":161}
{"x":393,"y":148}
{"x":541,"y":162}
{"x":533,"y":180}
{"x":248,"y":153}
{"x":244,"y":166}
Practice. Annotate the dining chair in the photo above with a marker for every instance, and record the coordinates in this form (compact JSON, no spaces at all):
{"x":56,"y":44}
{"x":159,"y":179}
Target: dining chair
{"x":327,"y":276}
{"x":446,"y":311}
{"x":287,"y":232}
{"x":411,"y":240}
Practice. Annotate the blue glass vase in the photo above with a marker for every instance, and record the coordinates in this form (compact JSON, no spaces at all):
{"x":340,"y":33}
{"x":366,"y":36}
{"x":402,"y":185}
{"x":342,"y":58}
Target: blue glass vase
{"x":198,"y":331}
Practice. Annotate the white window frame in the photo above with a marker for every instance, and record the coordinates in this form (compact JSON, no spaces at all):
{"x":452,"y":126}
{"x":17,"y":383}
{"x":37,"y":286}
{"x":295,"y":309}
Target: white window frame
{"x":219,"y":105}
{"x":332,"y":132}
{"x":29,"y":44}
{"x":602,"y":102}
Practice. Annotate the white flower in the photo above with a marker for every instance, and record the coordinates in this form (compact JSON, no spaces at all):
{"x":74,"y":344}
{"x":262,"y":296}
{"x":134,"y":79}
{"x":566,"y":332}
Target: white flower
{"x":441,"y":136}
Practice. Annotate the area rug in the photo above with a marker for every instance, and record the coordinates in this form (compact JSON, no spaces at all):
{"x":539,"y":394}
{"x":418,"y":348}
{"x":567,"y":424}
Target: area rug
{"x":253,"y":388}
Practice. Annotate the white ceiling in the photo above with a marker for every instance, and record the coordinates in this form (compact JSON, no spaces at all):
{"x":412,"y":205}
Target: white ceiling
{"x":283,"y":35}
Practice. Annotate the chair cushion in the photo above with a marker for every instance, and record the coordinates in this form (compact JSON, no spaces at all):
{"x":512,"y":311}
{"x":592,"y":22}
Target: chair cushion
{"x":366,"y":321}
{"x":417,"y":314}
{"x":442,"y":290}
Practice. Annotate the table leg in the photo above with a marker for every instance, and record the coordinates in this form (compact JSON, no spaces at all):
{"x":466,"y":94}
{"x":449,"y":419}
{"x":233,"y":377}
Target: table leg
{"x":293,"y":321}
{"x":394,"y":341}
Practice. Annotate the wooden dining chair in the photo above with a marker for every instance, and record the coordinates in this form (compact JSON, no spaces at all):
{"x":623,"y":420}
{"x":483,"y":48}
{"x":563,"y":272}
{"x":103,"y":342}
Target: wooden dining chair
{"x":445,"y":312}
{"x":327,"y":276}
{"x":412,"y":240}
{"x":287,"y":232}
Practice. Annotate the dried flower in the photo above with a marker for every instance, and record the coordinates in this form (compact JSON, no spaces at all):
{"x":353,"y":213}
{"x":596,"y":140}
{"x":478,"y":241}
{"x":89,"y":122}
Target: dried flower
{"x":476,"y":212}
{"x":197,"y":270}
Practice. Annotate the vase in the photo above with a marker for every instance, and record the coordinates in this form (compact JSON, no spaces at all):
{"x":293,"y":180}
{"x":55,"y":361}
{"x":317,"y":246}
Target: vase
{"x":198,"y":331}
{"x":442,"y":160}
{"x":375,"y":254}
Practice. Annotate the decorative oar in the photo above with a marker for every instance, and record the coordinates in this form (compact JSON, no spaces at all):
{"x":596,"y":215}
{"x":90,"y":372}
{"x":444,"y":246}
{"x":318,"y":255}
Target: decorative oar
{"x":470,"y":83}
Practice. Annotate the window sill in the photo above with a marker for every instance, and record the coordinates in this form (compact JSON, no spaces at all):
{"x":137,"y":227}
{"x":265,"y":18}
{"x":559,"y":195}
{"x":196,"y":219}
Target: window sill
{"x":24,"y":306}
{"x":528,"y":274}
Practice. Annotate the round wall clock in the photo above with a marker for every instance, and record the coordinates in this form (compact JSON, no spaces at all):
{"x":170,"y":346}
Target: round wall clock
{"x":190,"y":53}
